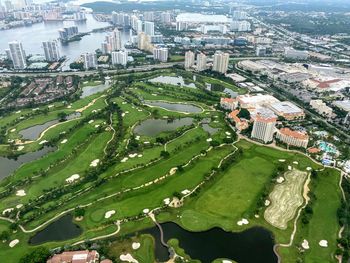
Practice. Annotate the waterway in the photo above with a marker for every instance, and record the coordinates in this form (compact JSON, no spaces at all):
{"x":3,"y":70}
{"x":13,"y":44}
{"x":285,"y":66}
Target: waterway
{"x":180,"y":107}
{"x":9,"y":165}
{"x":252,"y":245}
{"x":59,"y":230}
{"x":152,"y":127}
{"x":33,"y":132}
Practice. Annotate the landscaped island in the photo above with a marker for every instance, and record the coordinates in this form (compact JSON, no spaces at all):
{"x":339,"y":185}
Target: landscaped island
{"x":140,"y":151}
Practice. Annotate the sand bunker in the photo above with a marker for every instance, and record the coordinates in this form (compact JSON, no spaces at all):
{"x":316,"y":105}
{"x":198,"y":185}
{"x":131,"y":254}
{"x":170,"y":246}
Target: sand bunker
{"x":123,"y":114}
{"x":282,"y":160}
{"x":124,"y":159}
{"x":133,"y":155}
{"x":21,"y":193}
{"x":323,"y":243}
{"x":13,"y":243}
{"x":19,"y":206}
{"x":128,"y":258}
{"x":228,"y":133}
{"x":8,"y":210}
{"x":295,"y":162}
{"x":305,"y":244}
{"x":137,"y":138}
{"x":173,"y":170}
{"x":267,"y":202}
{"x":243,"y":222}
{"x":97,"y":125}
{"x":43,"y":141}
{"x":140,"y":155}
{"x":308,"y":168}
{"x":280,"y":180}
{"x":108,"y":214}
{"x":146,"y":210}
{"x":289,"y":167}
{"x":185,"y":192}
{"x":209,"y":140}
{"x":226,"y":261}
{"x":91,"y":121}
{"x":94,"y":163}
{"x":72,"y":178}
{"x":166,"y":201}
{"x":135,"y":245}
{"x":13,"y":130}
{"x":64,"y":141}
{"x":20,"y":148}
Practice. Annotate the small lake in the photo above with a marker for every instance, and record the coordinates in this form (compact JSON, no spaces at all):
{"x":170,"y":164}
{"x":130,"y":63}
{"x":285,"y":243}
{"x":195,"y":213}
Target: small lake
{"x":231,"y":93}
{"x":209,"y":129}
{"x":152,"y":127}
{"x":9,"y":165}
{"x":33,"y":132}
{"x":177,"y":81}
{"x":90,"y":90}
{"x":60,"y":230}
{"x":180,"y":107}
{"x":252,"y":245}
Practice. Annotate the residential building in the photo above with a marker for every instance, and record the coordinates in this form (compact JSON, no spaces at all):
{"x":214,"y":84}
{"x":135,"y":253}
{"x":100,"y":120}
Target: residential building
{"x":181,"y":26}
{"x":68,"y":32}
{"x":51,"y":51}
{"x":264,"y":126}
{"x":18,"y":55}
{"x":161,"y":54}
{"x":120,"y":57}
{"x":165,"y":17}
{"x":189,"y":59}
{"x":201,"y":62}
{"x":148,"y":16}
{"x":293,"y":138}
{"x":221,"y":61}
{"x":260,"y":51}
{"x":83,"y":256}
{"x":90,"y":60}
{"x":144,"y":42}
{"x":149,"y":28}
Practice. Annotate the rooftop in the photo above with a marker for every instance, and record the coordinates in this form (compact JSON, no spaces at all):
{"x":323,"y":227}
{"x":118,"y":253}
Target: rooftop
{"x":286,"y":107}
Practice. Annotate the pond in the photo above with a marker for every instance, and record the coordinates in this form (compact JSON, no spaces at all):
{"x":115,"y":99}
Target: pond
{"x":252,"y":245}
{"x":178,"y":81}
{"x":152,"y":127}
{"x":209,"y":129}
{"x":90,"y":90}
{"x":180,"y":107}
{"x":9,"y":165}
{"x":33,"y":132}
{"x":231,"y":93}
{"x":60,"y":230}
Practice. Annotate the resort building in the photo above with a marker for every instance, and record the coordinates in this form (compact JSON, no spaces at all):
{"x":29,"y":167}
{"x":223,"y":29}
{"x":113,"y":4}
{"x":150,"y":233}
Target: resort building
{"x":287,"y":110}
{"x":294,"y":138}
{"x":264,"y":126}
{"x":240,"y":124}
{"x":259,"y":100}
{"x":228,"y":103}
{"x":83,"y":256}
{"x":321,"y":107}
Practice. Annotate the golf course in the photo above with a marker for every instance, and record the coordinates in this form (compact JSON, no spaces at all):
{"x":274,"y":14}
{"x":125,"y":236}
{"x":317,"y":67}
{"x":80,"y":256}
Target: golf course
{"x":153,"y":148}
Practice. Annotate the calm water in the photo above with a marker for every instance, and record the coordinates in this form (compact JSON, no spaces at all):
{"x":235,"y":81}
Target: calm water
{"x":253,"y":245}
{"x":209,"y":129}
{"x":8,"y":166}
{"x":178,"y":81}
{"x":152,"y":127}
{"x":175,"y":106}
{"x":33,"y":36}
{"x":33,"y":133}
{"x":60,"y":230}
{"x":90,"y":90}
{"x":231,"y":93}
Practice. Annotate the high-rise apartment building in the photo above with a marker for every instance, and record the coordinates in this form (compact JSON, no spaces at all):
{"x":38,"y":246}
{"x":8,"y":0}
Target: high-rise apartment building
{"x":165,"y":17}
{"x":201,"y":62}
{"x":149,"y":28}
{"x":120,"y":57}
{"x":221,"y":60}
{"x":161,"y":54}
{"x":189,"y":59}
{"x":17,"y":54}
{"x":51,"y":51}
{"x":148,"y":16}
{"x":90,"y":60}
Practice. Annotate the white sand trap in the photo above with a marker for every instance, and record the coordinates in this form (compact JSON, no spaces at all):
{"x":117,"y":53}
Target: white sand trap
{"x":139,"y":110}
{"x":146,"y":142}
{"x":185,"y":192}
{"x":133,"y":155}
{"x":226,"y":261}
{"x":8,"y":210}
{"x":126,"y":112}
{"x":323,"y":243}
{"x":18,"y":111}
{"x":123,"y":114}
{"x":63,"y":132}
{"x":153,"y":94}
{"x":282,"y":160}
{"x":13,"y":243}
{"x":94,"y":163}
{"x":228,"y":133}
{"x":69,"y":106}
{"x":295,"y":162}
{"x":13,"y":130}
{"x":209,"y":140}
{"x":124,"y":159}
{"x":19,"y":206}
{"x":256,"y":216}
{"x":137,"y":138}
{"x":135,"y":245}
{"x":243,"y":222}
{"x":21,"y":193}
{"x":43,"y":141}
{"x":267,"y":202}
{"x":91,"y":121}
{"x":97,"y":125}
{"x":128,"y":258}
{"x":308,"y":168}
{"x":35,"y":109}
{"x":280,"y":180}
{"x":216,"y":121}
{"x":51,"y":106}
{"x":305,"y":244}
{"x":94,"y":111}
{"x":108,"y":214}
{"x":166,"y":201}
{"x":72,"y":178}
{"x":20,"y":148}
{"x":64,"y":141}
{"x":146,"y":210}
{"x":173,"y":170}
{"x":124,"y":102}
{"x":289,"y":167}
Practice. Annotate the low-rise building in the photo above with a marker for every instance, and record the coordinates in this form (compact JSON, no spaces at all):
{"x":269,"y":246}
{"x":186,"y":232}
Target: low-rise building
{"x":83,"y":256}
{"x":321,"y":107}
{"x":228,"y":103}
{"x":294,"y":138}
{"x":287,"y":110}
{"x":258,"y":100}
{"x":240,"y":124}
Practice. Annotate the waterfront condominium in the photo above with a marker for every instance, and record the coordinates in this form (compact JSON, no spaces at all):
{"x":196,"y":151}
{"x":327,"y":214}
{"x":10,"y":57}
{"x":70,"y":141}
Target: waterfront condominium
{"x":221,"y":60}
{"x":90,"y":60}
{"x":17,"y":55}
{"x":149,"y":28}
{"x":120,"y":57}
{"x":189,"y":59}
{"x":264,"y":126}
{"x":51,"y":51}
